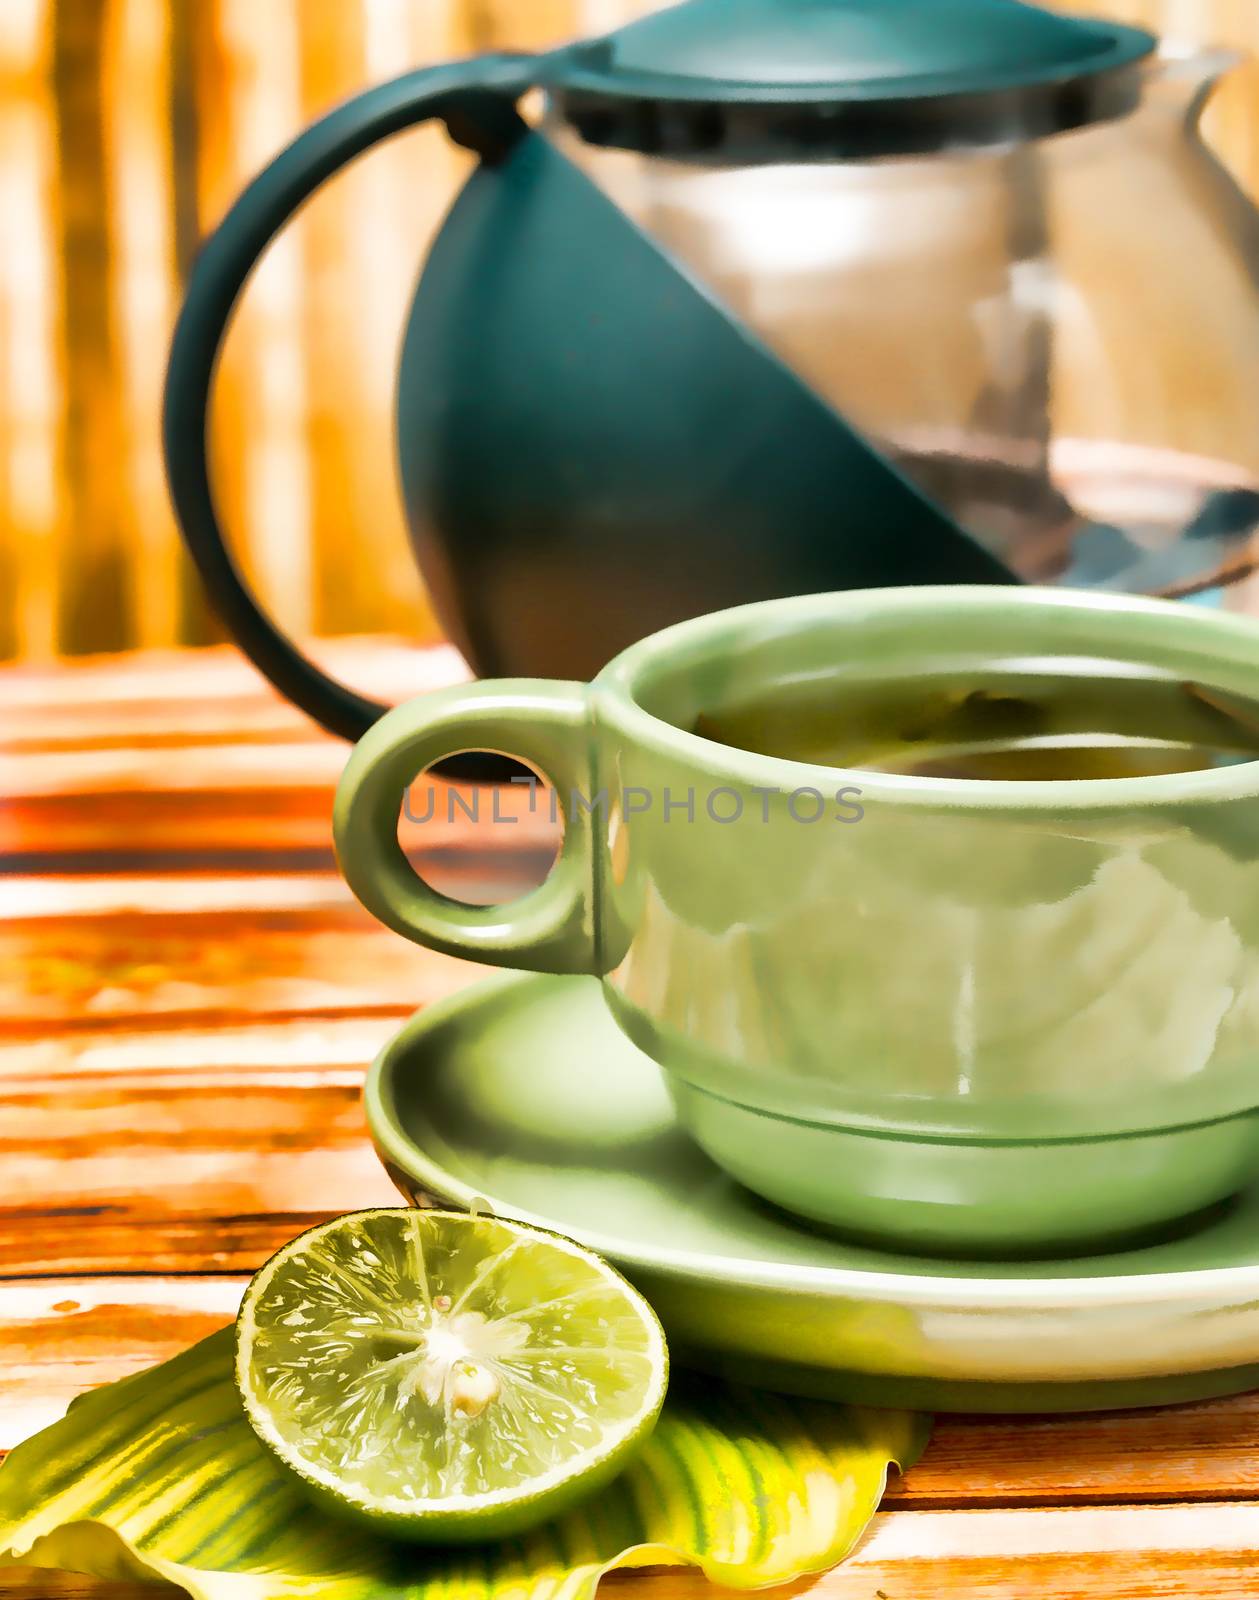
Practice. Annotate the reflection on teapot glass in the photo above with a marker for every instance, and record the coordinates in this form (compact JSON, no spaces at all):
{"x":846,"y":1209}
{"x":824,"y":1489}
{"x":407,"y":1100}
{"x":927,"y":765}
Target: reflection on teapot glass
{"x":1127,"y":519}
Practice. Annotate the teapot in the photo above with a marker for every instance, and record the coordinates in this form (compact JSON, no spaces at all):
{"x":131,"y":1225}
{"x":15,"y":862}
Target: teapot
{"x":781,"y":296}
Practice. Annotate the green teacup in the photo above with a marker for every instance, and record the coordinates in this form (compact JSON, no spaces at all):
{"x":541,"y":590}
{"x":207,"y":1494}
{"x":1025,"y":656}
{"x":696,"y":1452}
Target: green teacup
{"x":957,"y":1012}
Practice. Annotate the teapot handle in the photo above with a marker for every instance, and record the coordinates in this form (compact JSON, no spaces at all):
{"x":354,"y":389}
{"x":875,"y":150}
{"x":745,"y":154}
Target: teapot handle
{"x":477,"y":101}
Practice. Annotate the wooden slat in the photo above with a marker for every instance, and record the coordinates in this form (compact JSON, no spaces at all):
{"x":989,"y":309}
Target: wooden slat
{"x":125,"y":1156}
{"x":33,"y":493}
{"x":136,"y":91}
{"x":30,"y":900}
{"x":223,"y":805}
{"x":228,"y":826}
{"x":94,"y":610}
{"x":50,"y":1240}
{"x":1204,"y":1452}
{"x":27,"y":900}
{"x":190,"y":1149}
{"x":175,"y":964}
{"x":94,"y":763}
{"x":360,"y":277}
{"x":262,"y":391}
{"x":1052,"y":1555}
{"x":300,"y":1053}
{"x":96,"y":685}
{"x":59,"y":1338}
{"x":82,"y":699}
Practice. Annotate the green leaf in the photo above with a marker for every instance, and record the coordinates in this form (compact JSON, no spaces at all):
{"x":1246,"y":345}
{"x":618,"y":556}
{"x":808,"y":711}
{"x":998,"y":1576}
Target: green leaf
{"x":161,"y":1477}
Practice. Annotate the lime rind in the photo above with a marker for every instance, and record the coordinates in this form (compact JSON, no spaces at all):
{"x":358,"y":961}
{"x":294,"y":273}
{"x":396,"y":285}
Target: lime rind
{"x":444,"y":1375}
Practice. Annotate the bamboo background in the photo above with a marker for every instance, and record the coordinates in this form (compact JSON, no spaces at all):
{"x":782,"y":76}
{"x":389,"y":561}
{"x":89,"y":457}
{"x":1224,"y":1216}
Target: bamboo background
{"x":126,"y":129}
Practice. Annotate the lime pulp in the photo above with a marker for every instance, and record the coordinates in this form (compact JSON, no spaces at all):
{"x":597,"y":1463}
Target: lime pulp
{"x":446,"y":1376}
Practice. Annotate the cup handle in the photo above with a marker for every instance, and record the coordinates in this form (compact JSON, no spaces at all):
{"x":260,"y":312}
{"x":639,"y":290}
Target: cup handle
{"x":546,"y":723}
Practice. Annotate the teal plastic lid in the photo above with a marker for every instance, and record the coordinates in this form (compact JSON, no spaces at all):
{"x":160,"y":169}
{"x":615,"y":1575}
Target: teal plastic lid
{"x":837,"y":51}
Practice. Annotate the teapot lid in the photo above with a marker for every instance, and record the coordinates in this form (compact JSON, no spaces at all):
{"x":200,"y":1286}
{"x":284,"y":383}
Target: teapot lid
{"x":885,"y":76}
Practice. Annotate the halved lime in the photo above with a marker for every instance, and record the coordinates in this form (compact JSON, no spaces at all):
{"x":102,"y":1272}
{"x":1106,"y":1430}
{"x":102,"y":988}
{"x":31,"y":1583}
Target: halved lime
{"x":447,"y":1377}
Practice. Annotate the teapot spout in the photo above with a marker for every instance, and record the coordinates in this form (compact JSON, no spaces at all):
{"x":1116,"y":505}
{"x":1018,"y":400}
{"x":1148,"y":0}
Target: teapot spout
{"x":1184,"y":81}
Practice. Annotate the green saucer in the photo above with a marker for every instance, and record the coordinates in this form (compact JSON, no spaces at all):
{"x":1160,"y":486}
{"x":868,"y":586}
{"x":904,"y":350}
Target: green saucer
{"x":522,"y":1095}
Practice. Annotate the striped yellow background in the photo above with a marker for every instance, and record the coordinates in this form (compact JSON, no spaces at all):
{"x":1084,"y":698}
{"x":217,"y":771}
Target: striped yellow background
{"x":126,"y":128}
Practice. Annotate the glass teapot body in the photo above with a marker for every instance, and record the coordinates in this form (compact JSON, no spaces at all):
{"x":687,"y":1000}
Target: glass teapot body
{"x":1057,"y":340}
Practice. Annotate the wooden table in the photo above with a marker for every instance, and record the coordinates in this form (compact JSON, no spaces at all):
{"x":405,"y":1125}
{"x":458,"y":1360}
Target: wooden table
{"x":189,"y":999}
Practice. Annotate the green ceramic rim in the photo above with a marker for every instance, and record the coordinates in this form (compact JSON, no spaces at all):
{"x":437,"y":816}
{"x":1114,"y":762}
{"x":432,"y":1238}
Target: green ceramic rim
{"x":395,"y":1146}
{"x":1234,"y":639}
